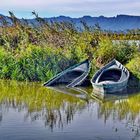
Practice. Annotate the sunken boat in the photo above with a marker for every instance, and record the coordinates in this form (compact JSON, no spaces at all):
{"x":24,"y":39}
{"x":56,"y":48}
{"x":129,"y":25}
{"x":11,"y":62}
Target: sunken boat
{"x":112,"y":78}
{"x":71,"y":77}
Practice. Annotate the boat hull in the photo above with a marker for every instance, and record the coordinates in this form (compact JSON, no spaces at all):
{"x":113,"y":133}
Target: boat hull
{"x":110,"y":88}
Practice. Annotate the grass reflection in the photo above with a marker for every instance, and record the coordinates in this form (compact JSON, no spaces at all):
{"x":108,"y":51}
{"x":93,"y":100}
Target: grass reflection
{"x":54,"y":108}
{"x":123,"y":107}
{"x":57,"y":109}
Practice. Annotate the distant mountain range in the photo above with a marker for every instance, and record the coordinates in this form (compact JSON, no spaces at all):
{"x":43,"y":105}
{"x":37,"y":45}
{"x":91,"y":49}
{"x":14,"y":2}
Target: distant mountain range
{"x":118,"y":23}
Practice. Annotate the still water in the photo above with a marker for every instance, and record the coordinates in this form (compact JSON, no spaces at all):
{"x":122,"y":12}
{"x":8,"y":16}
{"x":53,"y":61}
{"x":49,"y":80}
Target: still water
{"x":29,"y":111}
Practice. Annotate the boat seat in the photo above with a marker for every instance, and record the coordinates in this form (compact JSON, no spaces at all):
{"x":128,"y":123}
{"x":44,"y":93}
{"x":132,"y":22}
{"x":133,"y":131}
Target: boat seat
{"x":107,"y":82}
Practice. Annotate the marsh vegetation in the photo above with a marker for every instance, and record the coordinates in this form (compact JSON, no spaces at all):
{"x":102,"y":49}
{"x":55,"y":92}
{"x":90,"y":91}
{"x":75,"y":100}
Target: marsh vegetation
{"x":36,"y":52}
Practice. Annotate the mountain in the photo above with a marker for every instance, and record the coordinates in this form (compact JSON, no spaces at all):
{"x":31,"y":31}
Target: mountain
{"x":117,"y":23}
{"x":5,"y":18}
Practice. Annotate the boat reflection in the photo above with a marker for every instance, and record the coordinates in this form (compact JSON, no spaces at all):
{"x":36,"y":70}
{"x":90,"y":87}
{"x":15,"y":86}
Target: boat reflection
{"x":105,"y":97}
{"x":123,"y":107}
{"x":78,"y":92}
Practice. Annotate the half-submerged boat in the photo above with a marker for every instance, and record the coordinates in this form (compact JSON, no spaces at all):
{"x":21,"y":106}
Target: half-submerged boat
{"x":72,"y":76}
{"x":113,"y":77}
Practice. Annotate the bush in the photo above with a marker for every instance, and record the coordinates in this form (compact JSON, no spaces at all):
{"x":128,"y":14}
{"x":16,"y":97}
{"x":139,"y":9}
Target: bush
{"x":108,"y":50}
{"x":6,"y":64}
{"x":125,"y":52}
{"x":35,"y":63}
{"x":134,"y":66}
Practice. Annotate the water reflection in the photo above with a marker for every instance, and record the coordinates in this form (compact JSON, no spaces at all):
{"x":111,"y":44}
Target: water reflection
{"x":52,"y":106}
{"x":121,"y":107}
{"x":58,"y":108}
{"x":78,"y":92}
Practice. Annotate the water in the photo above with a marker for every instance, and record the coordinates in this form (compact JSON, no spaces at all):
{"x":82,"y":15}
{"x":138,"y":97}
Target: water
{"x":130,"y":42}
{"x":29,"y":111}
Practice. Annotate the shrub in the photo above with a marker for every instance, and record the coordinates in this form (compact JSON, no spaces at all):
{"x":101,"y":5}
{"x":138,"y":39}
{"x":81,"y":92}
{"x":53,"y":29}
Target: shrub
{"x":6,"y":64}
{"x":108,"y":50}
{"x":134,"y":66}
{"x":125,"y":52}
{"x":36,"y":64}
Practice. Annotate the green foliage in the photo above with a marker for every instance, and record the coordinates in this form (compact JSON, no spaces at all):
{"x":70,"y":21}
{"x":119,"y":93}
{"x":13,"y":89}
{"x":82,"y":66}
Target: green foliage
{"x":108,"y":50}
{"x":34,"y":63}
{"x":6,"y":64}
{"x":134,"y":66}
{"x":125,"y":52}
{"x":39,"y":51}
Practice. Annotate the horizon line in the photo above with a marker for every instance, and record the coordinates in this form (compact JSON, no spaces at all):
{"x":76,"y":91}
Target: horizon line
{"x":68,"y":16}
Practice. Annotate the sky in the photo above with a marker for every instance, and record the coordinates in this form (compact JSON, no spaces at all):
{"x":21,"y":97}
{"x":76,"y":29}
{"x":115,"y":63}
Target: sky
{"x":72,"y":8}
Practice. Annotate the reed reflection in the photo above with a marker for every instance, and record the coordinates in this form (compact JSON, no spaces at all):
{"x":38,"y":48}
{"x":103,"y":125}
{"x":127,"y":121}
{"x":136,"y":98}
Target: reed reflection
{"x":58,"y":107}
{"x":54,"y":107}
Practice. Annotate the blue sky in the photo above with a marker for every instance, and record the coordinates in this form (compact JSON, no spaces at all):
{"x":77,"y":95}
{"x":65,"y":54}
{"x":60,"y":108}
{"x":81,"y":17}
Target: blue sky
{"x":73,"y":8}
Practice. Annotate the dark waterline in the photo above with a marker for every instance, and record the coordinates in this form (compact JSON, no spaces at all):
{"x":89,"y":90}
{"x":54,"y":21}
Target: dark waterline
{"x":29,"y":111}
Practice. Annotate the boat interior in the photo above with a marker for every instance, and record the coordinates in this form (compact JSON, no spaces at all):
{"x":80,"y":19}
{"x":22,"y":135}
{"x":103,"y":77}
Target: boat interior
{"x":113,"y":75}
{"x":67,"y":78}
